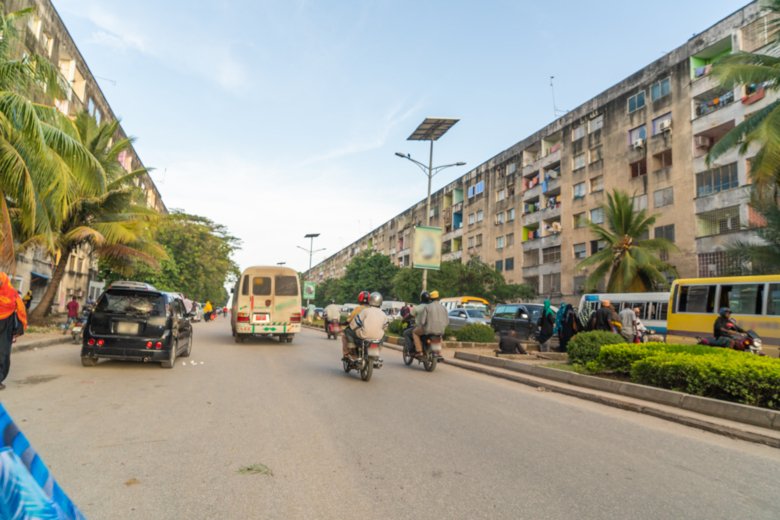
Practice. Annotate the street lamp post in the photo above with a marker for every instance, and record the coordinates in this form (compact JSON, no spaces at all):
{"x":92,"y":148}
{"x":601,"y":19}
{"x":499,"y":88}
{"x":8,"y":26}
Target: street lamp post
{"x":431,"y":129}
{"x":311,"y":251}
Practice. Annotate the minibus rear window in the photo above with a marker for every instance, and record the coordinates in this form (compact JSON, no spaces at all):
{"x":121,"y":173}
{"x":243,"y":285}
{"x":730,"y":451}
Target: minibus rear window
{"x":261,"y":286}
{"x":286,"y":286}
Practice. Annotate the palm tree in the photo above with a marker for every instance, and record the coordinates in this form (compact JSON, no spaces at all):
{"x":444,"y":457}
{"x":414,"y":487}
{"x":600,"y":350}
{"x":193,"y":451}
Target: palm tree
{"x":631,"y":261}
{"x":37,"y":158}
{"x":763,"y":127}
{"x":112,"y":220}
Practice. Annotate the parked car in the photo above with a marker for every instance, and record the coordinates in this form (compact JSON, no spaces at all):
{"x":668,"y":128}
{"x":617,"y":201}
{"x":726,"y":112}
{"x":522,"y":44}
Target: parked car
{"x":522,"y":317}
{"x":459,"y":318}
{"x":135,"y":321}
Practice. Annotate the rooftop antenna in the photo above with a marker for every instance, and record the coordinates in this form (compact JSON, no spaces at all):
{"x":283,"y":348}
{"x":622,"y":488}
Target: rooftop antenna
{"x":556,"y":111}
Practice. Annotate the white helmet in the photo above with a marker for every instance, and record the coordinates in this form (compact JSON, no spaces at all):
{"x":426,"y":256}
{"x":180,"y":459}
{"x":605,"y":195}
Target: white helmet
{"x":375,"y":300}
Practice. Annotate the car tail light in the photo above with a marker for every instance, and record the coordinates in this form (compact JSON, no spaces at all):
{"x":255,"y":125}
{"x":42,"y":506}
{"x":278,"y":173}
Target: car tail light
{"x":101,"y":342}
{"x":91,"y":342}
{"x":158,"y":345}
{"x":295,"y":318}
{"x":242,"y":317}
{"x":148,"y":344}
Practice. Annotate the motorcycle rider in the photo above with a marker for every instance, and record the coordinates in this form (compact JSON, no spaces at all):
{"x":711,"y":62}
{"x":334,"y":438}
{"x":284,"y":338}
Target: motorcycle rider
{"x":349,"y":336}
{"x":432,"y":319}
{"x":371,"y":322}
{"x":332,"y":313}
{"x":726,"y":328}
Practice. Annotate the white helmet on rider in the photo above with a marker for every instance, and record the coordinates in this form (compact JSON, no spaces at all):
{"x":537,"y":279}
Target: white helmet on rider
{"x":375,"y":300}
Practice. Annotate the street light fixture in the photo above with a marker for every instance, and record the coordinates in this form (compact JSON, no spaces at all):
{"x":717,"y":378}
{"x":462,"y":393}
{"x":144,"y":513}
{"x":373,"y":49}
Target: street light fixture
{"x":311,"y":251}
{"x":431,"y":129}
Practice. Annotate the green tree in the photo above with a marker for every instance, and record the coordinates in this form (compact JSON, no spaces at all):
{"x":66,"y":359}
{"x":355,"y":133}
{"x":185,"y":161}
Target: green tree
{"x":760,"y":258}
{"x":763,"y":126}
{"x":367,"y":271}
{"x":631,"y":262}
{"x":110,"y":218}
{"x":199,"y":263}
{"x":40,"y":157}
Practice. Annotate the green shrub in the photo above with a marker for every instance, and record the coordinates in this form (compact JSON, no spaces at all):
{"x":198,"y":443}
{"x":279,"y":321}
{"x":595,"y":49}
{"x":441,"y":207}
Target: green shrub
{"x":449,"y":332}
{"x":397,"y":327}
{"x":620,"y":358}
{"x":585,"y":346}
{"x":477,"y":333}
{"x":743,"y":378}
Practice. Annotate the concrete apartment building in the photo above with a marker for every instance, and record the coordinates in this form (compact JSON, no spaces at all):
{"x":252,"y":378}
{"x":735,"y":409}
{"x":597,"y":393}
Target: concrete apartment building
{"x":45,"y":34}
{"x":525,"y":211}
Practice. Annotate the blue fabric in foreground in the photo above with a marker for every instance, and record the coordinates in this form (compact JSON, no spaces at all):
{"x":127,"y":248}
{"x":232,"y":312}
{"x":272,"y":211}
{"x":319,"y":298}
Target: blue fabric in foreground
{"x":27,"y":489}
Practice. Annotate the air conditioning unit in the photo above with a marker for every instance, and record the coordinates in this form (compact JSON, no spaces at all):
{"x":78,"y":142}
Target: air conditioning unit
{"x":638,"y":143}
{"x":702,"y":141}
{"x":665,"y":125}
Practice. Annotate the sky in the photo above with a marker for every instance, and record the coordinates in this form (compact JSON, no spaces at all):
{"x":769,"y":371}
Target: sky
{"x":279,"y":118}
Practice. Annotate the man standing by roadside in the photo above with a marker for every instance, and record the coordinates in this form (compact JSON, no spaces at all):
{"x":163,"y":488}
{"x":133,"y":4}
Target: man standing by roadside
{"x":628,"y":320}
{"x":13,"y":321}
{"x":606,"y":317}
{"x":73,"y":313}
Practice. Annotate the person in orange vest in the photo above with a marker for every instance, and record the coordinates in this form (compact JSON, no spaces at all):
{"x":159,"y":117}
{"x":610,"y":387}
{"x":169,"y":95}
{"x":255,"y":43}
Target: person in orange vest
{"x":13,"y":322}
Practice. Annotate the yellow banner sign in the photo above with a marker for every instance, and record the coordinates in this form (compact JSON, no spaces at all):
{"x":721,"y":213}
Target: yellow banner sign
{"x":426,"y":253}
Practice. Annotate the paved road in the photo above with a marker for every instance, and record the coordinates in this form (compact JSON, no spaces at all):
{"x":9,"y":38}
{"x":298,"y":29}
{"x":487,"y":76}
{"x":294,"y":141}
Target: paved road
{"x":128,"y":440}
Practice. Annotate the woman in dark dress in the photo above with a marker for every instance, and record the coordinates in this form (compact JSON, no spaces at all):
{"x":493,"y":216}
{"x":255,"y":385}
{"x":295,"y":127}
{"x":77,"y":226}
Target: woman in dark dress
{"x":13,"y":321}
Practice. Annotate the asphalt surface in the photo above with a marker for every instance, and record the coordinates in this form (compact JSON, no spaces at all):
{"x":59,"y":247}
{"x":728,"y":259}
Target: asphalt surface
{"x":128,"y":440}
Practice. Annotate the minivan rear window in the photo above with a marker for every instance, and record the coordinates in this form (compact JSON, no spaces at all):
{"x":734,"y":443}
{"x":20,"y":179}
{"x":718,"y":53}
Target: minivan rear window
{"x":286,"y":285}
{"x":261,"y":286}
{"x":131,"y":302}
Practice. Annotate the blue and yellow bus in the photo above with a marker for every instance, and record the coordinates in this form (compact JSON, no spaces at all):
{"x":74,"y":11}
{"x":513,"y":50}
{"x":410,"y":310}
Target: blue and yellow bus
{"x":754,"y":302}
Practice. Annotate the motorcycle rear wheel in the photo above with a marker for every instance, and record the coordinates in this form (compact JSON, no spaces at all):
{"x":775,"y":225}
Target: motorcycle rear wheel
{"x":346,"y":366}
{"x":429,"y":363}
{"x":408,"y":357}
{"x":367,"y":370}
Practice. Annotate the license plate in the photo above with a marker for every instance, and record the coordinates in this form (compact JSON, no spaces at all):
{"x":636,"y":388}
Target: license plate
{"x":126,"y":328}
{"x":262,"y":318}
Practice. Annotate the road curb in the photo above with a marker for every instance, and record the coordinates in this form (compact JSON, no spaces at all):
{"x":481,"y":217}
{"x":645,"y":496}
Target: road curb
{"x":741,"y":413}
{"x":41,"y":344}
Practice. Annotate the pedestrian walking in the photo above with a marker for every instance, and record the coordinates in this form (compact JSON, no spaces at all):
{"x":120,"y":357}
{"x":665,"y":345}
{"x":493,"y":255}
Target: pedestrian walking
{"x":27,"y":299}
{"x":569,"y":326}
{"x":73,"y":313}
{"x":13,"y":321}
{"x":546,"y":326}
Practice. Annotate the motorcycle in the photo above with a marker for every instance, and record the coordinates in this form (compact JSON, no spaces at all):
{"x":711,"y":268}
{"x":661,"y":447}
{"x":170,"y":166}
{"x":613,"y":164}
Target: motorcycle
{"x":431,"y":355}
{"x":749,"y":341}
{"x":77,"y":330}
{"x":366,"y":358}
{"x":332,"y":329}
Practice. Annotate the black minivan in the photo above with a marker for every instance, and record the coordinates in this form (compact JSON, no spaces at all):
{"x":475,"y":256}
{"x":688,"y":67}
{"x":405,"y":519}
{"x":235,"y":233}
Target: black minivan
{"x":135,"y":321}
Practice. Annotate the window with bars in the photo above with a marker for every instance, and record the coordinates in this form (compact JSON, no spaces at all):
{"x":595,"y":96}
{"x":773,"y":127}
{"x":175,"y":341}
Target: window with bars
{"x":663,"y":197}
{"x":551,"y":254}
{"x":719,"y":221}
{"x":531,"y":258}
{"x":552,"y":283}
{"x":717,"y":179}
{"x":719,"y":263}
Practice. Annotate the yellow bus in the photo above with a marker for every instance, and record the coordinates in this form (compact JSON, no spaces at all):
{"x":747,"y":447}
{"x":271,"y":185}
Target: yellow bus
{"x":266,"y":302}
{"x":465,"y":302}
{"x":754,"y":302}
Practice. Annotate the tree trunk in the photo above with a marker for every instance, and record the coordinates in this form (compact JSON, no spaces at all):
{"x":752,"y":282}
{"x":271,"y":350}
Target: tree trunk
{"x":43,"y":309}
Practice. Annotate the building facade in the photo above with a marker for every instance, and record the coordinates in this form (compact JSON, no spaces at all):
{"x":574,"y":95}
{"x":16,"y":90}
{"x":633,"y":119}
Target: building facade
{"x":525,"y":211}
{"x":45,"y":34}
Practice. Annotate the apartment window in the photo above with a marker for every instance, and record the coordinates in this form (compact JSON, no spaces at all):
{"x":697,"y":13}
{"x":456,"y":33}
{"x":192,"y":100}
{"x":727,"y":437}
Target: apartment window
{"x":500,"y":243}
{"x":716,"y":180}
{"x":638,"y":168}
{"x":578,"y":161}
{"x":579,"y":284}
{"x":552,"y":283}
{"x":500,"y":218}
{"x":500,"y":194}
{"x":510,"y":240}
{"x":551,"y":255}
{"x":580,"y":220}
{"x":509,"y":264}
{"x":639,"y":202}
{"x":472,"y":219}
{"x":597,"y":245}
{"x":579,"y":190}
{"x":662,"y":124}
{"x":510,"y":215}
{"x":661,"y":89}
{"x":479,"y":187}
{"x":470,"y":242}
{"x":597,"y":215}
{"x":637,"y":134}
{"x":596,"y":154}
{"x":664,"y":197}
{"x":578,"y":133}
{"x":597,"y":123}
{"x":719,"y":221}
{"x":499,"y":265}
{"x":636,"y":102}
{"x":580,"y":251}
{"x":480,"y":215}
{"x":478,"y":241}
{"x":666,"y":232}
{"x":597,"y":184}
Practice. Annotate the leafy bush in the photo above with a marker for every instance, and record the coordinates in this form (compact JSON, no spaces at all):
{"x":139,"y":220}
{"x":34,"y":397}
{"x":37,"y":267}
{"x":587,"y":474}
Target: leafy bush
{"x":397,"y":327}
{"x":477,"y":333}
{"x":620,"y":358}
{"x":739,"y":377}
{"x":585,"y":346}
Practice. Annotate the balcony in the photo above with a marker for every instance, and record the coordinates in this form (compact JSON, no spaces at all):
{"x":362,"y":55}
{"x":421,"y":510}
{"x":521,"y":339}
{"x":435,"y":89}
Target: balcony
{"x":553,"y":157}
{"x":452,"y":255}
{"x":532,"y":192}
{"x":452,"y":234}
{"x":703,"y":84}
{"x":531,"y":270}
{"x":723,"y":199}
{"x":551,"y":240}
{"x":709,"y":114}
{"x":530,"y":244}
{"x":532,"y":218}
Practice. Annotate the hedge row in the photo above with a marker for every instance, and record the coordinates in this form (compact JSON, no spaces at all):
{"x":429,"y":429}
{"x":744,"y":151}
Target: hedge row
{"x":475,"y":332}
{"x":584,"y":347}
{"x":620,"y":358}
